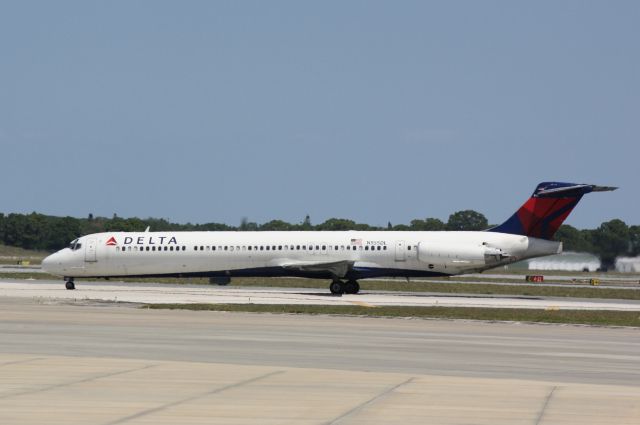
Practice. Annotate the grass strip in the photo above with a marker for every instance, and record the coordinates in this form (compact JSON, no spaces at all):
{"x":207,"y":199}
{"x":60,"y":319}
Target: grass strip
{"x":29,"y":275}
{"x":582,"y":317}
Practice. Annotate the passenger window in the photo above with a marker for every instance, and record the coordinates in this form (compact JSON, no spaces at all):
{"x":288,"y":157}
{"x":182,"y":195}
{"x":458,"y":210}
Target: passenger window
{"x":249,"y":247}
{"x":267,"y":247}
{"x":379,"y":247}
{"x":409,"y":248}
{"x":385,"y":248}
{"x":226,"y":248}
{"x":184,"y":248}
{"x":279,"y":247}
{"x":195,"y":248}
{"x":213,"y":248}
{"x":366,"y":248}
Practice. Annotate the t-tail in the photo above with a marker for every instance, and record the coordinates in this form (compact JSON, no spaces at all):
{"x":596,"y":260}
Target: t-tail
{"x":548,"y":207}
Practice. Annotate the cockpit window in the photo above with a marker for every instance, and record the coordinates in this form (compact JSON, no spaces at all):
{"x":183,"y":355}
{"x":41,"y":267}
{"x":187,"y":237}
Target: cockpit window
{"x":75,"y":245}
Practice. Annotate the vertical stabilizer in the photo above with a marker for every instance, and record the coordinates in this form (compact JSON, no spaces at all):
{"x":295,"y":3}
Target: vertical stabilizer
{"x":548,"y":207}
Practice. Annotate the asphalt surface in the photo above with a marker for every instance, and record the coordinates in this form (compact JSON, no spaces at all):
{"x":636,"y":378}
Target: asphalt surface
{"x":457,"y":348}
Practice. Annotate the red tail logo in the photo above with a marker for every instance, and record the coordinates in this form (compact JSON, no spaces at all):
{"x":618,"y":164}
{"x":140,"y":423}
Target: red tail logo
{"x":548,"y":207}
{"x":112,"y":241}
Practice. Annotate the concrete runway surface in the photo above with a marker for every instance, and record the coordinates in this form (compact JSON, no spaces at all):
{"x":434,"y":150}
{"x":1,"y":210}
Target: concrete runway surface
{"x":168,"y":293}
{"x":101,"y":363}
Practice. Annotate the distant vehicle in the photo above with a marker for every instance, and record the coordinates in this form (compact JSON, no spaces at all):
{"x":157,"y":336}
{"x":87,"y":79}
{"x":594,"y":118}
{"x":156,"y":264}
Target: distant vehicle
{"x":343,"y":256}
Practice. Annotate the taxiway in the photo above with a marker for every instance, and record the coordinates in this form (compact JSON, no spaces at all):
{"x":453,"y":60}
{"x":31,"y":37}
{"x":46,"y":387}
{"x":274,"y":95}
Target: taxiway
{"x":146,"y":293}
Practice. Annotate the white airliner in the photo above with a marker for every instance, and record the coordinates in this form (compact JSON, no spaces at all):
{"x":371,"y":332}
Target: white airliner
{"x":342,"y":256}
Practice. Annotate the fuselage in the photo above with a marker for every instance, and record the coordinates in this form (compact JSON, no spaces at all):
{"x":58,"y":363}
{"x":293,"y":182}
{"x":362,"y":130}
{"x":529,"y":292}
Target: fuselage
{"x":337,"y":254}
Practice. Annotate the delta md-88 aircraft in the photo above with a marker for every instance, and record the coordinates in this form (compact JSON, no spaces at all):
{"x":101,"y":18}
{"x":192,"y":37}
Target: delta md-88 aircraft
{"x":342,"y":256}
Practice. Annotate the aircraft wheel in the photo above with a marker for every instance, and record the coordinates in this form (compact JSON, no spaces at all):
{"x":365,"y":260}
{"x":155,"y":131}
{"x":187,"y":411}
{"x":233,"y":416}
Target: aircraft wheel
{"x":337,"y":287}
{"x":70,"y":285}
{"x":352,"y":287}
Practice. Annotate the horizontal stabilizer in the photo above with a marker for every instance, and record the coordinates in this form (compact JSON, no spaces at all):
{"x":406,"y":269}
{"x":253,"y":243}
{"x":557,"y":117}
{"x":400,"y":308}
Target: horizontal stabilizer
{"x":555,"y":190}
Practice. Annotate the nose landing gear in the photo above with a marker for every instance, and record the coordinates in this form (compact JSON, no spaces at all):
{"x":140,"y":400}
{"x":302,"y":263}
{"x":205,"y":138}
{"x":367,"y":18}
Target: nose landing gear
{"x":69,"y":284}
{"x":338,"y":287}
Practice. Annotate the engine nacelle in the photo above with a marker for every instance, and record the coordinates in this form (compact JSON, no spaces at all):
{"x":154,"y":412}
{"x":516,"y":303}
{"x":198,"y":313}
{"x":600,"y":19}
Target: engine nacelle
{"x":459,"y":255}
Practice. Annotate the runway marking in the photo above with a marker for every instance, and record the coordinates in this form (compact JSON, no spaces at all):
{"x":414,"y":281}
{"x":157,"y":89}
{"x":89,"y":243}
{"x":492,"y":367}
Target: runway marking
{"x":544,"y":406}
{"x":369,"y":402}
{"x":21,"y":361}
{"x":192,"y":398}
{"x":363,"y":304}
{"x":81,"y":381}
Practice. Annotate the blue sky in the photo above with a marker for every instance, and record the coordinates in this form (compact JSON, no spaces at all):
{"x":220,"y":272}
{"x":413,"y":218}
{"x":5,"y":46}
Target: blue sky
{"x":374,"y":111}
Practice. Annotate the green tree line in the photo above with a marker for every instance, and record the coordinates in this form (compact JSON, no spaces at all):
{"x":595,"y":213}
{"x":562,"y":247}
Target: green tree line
{"x":42,"y":232}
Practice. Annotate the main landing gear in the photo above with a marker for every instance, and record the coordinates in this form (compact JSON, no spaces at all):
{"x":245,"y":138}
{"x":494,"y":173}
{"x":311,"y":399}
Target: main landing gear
{"x":69,"y":283}
{"x":348,"y":287}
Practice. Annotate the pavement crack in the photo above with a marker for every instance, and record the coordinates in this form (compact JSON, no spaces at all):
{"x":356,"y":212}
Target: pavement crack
{"x":81,"y":381}
{"x":544,"y":406}
{"x":21,"y":361}
{"x":369,"y":402}
{"x":192,"y":398}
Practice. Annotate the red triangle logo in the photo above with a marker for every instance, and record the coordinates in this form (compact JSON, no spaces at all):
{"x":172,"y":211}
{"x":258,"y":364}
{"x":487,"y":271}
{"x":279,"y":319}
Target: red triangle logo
{"x":112,"y":241}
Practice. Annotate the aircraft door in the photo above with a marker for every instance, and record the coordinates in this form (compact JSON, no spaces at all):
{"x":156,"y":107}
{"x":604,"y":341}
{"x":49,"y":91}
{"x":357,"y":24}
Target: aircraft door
{"x":90,"y":250}
{"x":401,"y":251}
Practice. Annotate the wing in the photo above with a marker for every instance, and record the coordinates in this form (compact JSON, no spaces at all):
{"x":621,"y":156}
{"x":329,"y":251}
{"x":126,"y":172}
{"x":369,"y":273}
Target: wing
{"x":336,"y":268}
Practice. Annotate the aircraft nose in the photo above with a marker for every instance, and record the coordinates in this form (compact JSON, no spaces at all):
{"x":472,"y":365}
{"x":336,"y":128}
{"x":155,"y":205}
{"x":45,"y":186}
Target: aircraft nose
{"x":52,"y":264}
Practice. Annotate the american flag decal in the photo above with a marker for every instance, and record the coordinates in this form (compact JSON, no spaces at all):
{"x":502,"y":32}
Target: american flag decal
{"x":357,"y":242}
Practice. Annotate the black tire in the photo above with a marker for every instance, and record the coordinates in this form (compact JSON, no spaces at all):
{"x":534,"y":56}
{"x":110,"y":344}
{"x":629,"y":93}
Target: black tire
{"x":69,"y":285}
{"x":337,"y":287}
{"x":352,"y":287}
